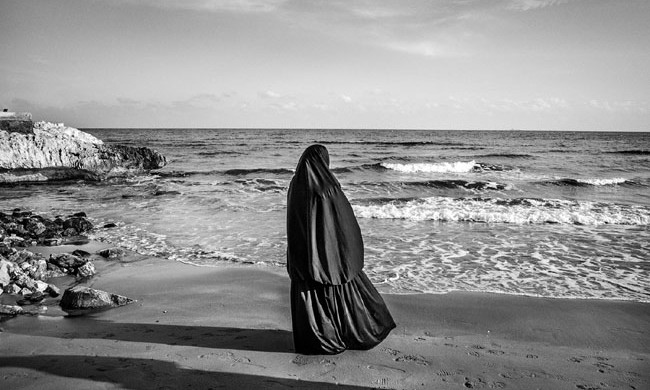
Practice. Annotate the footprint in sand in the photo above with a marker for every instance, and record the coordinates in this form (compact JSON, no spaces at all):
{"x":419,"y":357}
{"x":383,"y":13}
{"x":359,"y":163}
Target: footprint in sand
{"x":301,"y":360}
{"x":587,"y":387}
{"x":390,"y":351}
{"x":414,"y":359}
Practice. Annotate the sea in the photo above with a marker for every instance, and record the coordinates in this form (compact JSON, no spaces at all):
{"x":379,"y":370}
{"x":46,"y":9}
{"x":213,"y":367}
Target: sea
{"x":537,"y":213}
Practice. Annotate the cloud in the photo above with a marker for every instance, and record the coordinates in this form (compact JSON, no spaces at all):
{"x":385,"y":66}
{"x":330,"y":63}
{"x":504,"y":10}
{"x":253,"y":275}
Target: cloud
{"x":269,"y":95}
{"x":527,"y":5}
{"x":241,"y":6}
{"x":423,"y":48}
{"x":346,"y":98}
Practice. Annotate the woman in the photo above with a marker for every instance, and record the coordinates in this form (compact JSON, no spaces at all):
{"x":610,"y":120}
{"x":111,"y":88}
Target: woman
{"x":334,"y":306}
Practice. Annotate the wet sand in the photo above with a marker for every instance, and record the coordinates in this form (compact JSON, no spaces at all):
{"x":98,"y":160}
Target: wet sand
{"x":230,"y":328}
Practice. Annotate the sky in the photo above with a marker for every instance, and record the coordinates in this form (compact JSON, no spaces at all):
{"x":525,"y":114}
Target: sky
{"x":394,"y":64}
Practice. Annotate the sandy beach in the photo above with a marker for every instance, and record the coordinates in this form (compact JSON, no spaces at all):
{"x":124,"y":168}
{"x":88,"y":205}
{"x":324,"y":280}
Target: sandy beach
{"x":230,"y":327}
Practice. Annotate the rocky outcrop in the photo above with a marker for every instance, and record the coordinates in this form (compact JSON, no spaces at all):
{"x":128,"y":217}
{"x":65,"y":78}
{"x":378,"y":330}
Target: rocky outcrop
{"x":23,"y":228}
{"x":24,"y":273}
{"x":80,"y":300}
{"x":57,"y":152}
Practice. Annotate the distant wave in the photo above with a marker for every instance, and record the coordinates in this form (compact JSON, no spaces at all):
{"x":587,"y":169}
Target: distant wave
{"x":515,"y":211}
{"x":390,"y":143}
{"x":587,"y":182}
{"x":472,"y":185}
{"x":631,"y":151}
{"x":507,"y":155}
{"x":217,"y":153}
{"x":243,"y":172}
{"x":445,"y":167}
{"x":228,"y":172}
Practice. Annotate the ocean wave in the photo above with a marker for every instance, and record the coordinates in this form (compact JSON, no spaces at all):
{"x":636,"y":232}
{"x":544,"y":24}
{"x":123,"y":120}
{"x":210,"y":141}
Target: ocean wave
{"x":146,"y":243}
{"x":507,"y":155}
{"x":218,"y":153}
{"x":444,"y":167}
{"x":587,"y":182}
{"x":228,"y":172}
{"x":243,"y":172}
{"x":391,"y":143}
{"x":515,"y":211}
{"x":441,"y":184}
{"x":641,"y":152}
{"x":472,"y":185}
{"x":263,"y":185}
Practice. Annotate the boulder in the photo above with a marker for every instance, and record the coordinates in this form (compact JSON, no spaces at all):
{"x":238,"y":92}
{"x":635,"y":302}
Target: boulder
{"x":11,"y":310}
{"x":57,"y":152}
{"x":53,"y":290}
{"x":111,"y":253}
{"x":67,"y":261}
{"x":81,"y":300}
{"x":86,"y":270}
{"x":4,"y":273}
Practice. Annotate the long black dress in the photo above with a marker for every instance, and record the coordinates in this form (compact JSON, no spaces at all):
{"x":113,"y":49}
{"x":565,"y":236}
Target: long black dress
{"x":334,"y":306}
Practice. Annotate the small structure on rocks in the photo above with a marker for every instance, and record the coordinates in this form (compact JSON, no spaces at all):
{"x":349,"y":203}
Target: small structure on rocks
{"x":16,"y":122}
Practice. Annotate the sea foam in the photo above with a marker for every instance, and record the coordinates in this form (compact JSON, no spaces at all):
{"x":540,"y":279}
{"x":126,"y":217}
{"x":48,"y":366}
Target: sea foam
{"x":445,"y":167}
{"x":516,"y":211}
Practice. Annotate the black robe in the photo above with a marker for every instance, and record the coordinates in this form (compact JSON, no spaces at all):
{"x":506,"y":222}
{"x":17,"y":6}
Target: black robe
{"x":334,"y":306}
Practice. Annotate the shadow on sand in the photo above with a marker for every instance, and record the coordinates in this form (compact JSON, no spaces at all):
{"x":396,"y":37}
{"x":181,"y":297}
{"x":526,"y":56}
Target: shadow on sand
{"x":263,"y":340}
{"x":134,"y":373}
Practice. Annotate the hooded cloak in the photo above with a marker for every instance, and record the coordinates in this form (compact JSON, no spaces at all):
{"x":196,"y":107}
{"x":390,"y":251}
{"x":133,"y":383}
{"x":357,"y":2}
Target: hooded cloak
{"x":324,"y":239}
{"x":334,"y":305}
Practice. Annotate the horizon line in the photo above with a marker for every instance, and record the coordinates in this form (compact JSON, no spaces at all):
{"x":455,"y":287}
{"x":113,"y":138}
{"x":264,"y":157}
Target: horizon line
{"x":357,"y":129}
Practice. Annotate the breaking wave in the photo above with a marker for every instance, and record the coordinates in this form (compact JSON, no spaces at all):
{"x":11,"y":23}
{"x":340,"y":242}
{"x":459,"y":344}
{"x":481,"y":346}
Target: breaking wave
{"x":445,"y":167}
{"x":515,"y":211}
{"x":588,"y":182}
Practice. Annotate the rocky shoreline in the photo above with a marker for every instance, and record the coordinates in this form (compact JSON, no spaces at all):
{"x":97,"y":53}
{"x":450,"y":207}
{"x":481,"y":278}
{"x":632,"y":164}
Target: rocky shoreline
{"x":26,"y":276}
{"x":44,"y":152}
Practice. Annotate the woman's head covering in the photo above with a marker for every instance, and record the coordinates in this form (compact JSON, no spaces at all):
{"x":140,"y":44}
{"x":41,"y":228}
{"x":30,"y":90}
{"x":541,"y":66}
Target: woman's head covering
{"x":324,"y":241}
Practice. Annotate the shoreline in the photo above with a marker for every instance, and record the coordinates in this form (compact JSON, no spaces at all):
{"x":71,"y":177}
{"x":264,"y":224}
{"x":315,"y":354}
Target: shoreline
{"x":230,"y":326}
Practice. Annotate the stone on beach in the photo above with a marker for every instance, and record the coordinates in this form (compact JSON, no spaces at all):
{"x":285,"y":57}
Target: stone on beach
{"x":111,"y":253}
{"x":80,"y":300}
{"x":11,"y":310}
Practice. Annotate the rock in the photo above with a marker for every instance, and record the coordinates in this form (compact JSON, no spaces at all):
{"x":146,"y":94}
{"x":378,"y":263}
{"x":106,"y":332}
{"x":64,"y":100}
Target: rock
{"x":80,"y":253}
{"x":79,"y":224}
{"x":12,"y":289}
{"x":54,"y":241}
{"x":31,"y":299}
{"x":66,"y":260}
{"x":57,"y":152}
{"x":53,"y":290}
{"x":11,"y":310}
{"x":111,"y":253}
{"x":34,"y":227}
{"x":4,"y":273}
{"x":80,"y":300}
{"x":86,"y":270}
{"x":41,"y":286}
